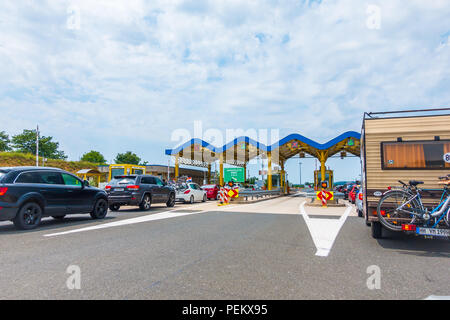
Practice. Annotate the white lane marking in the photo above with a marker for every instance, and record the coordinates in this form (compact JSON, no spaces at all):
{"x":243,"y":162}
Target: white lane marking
{"x":437,"y":298}
{"x":324,"y":231}
{"x":150,"y":217}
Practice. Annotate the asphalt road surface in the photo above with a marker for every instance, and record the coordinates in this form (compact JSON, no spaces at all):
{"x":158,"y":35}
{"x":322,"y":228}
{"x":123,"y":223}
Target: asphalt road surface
{"x":265,"y":250}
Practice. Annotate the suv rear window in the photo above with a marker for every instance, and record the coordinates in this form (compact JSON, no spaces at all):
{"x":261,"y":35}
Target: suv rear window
{"x":40,"y":178}
{"x":120,"y":181}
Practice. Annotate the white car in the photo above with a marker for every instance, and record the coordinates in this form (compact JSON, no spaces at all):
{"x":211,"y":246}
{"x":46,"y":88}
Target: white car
{"x":190,"y":192}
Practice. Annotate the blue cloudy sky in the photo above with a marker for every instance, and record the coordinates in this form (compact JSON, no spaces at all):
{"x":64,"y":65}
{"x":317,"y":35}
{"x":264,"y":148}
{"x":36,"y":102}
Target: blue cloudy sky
{"x":122,"y":75}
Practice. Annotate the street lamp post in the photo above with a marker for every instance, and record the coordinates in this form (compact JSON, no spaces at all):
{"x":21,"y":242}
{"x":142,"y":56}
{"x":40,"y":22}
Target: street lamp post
{"x":300,"y":165}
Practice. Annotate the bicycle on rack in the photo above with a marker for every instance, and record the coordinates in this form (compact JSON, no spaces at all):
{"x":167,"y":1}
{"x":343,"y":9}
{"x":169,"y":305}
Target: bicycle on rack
{"x":402,"y":209}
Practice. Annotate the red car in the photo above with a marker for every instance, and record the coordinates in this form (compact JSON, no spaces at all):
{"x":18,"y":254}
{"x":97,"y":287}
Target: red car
{"x":212,"y":191}
{"x":352,"y":194}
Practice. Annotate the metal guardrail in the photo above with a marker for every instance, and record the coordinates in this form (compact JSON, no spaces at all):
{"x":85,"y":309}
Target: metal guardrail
{"x":250,"y":194}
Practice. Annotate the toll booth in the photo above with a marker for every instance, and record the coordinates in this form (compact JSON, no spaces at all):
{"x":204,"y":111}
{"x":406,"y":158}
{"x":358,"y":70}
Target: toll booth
{"x":124,"y":170}
{"x":318,"y":179}
{"x":92,"y":175}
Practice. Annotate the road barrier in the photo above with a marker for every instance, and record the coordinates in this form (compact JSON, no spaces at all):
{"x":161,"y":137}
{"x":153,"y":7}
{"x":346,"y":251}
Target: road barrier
{"x":251,"y":195}
{"x":223,"y":197}
{"x":317,"y":198}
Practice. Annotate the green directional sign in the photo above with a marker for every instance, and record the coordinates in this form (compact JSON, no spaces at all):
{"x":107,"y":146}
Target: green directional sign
{"x":351,"y":142}
{"x":233,"y":174}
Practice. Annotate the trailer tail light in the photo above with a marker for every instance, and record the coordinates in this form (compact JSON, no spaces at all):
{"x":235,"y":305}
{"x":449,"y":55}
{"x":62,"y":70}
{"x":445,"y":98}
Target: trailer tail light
{"x":360,"y":196}
{"x":383,"y":212}
{"x":187,"y":191}
{"x":408,"y":227}
{"x":3,"y":191}
{"x":133,"y":187}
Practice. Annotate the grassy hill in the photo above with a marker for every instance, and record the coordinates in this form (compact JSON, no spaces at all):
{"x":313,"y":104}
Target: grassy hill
{"x":15,"y":159}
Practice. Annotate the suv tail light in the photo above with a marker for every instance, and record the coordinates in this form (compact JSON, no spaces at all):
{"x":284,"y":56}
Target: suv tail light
{"x":187,"y":191}
{"x":133,"y":187}
{"x":360,"y":196}
{"x":3,"y":191}
{"x":108,"y":188}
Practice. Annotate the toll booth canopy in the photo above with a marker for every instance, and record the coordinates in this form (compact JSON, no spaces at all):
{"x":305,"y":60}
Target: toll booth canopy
{"x":240,"y":151}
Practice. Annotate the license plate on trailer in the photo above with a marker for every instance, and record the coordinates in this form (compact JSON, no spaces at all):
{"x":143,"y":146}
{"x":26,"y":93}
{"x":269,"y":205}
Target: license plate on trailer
{"x":433,"y":232}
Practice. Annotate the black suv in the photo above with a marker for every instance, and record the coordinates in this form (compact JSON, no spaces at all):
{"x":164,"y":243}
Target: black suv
{"x":29,"y":193}
{"x":138,"y":190}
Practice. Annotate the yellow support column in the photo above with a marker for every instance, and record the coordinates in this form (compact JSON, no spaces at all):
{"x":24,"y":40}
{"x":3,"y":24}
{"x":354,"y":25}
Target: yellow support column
{"x":282,"y":182}
{"x":209,"y":173}
{"x":323,"y":160}
{"x":177,"y":167}
{"x":269,"y":171}
{"x":245,"y":172}
{"x":221,"y":170}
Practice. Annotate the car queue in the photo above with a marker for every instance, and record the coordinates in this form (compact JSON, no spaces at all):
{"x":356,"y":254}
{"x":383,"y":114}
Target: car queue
{"x":28,"y":194}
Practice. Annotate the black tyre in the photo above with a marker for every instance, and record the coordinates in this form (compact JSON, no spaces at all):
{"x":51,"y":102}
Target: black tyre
{"x":114,"y":207}
{"x":146,"y":203}
{"x":191,"y":201}
{"x":204,"y":198}
{"x":388,"y":213}
{"x":171,"y":202}
{"x":100,"y":209}
{"x":58,"y":217}
{"x":377,"y":230}
{"x":28,"y":217}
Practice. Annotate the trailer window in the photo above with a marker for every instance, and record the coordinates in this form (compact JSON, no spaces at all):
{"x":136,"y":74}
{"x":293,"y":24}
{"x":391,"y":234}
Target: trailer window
{"x":415,"y":155}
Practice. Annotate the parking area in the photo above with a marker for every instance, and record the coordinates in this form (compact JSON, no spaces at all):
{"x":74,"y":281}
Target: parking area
{"x":265,"y":250}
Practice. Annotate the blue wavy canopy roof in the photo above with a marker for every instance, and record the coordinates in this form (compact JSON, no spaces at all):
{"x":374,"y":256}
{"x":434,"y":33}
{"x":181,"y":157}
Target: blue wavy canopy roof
{"x":261,"y":146}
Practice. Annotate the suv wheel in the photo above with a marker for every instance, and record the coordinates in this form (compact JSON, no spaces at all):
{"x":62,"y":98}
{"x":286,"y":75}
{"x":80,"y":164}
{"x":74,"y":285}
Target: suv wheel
{"x":28,"y":217}
{"x":204,"y":198}
{"x":192,"y":200}
{"x":171,"y":202}
{"x":100,"y":209}
{"x":114,"y":207}
{"x":146,"y":203}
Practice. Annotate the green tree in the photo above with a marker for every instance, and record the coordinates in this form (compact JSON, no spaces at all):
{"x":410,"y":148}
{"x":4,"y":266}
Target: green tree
{"x":94,"y":157}
{"x":26,"y":143}
{"x":4,"y":142}
{"x":127,"y":158}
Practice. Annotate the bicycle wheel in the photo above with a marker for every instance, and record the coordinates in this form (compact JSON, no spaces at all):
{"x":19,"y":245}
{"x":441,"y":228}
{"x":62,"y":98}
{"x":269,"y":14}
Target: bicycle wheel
{"x":391,"y":215}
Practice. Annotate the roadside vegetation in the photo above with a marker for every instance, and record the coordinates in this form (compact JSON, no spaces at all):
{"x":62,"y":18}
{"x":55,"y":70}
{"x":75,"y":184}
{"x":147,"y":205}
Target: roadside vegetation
{"x":15,"y":159}
{"x":20,"y":150}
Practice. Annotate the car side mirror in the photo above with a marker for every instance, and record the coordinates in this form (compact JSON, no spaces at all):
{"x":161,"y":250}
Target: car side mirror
{"x":85,"y":184}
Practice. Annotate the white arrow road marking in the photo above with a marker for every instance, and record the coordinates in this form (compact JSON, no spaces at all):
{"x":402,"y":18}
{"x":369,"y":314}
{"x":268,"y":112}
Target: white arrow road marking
{"x":324,"y":231}
{"x":150,"y":217}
